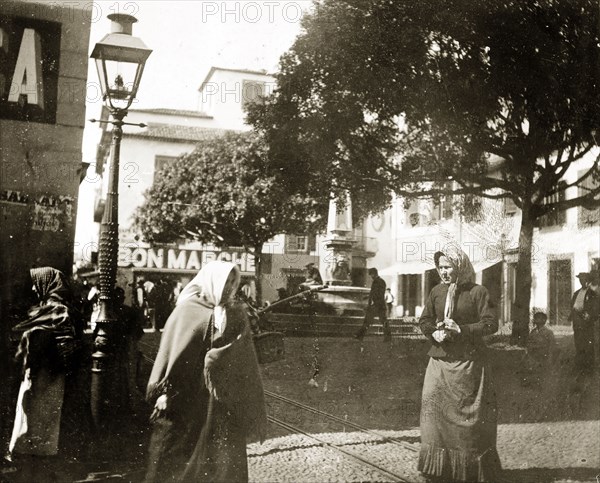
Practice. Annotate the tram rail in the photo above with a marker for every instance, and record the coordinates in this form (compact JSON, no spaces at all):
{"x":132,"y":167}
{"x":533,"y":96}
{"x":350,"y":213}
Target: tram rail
{"x":345,"y":422}
{"x":360,"y":460}
{"x":339,"y":448}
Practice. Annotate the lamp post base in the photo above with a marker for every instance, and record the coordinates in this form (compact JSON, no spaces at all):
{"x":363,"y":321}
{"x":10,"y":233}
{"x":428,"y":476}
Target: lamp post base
{"x":109,"y":385}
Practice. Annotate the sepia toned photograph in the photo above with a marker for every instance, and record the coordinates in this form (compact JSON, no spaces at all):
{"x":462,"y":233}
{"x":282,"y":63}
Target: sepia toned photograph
{"x":300,"y":241}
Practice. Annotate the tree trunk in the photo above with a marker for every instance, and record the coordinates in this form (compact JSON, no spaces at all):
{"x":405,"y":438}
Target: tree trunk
{"x":258,"y":267}
{"x":520,"y":312}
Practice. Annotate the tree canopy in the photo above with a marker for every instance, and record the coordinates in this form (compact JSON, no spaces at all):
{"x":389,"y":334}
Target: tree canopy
{"x":384,"y":95}
{"x":226,"y":193}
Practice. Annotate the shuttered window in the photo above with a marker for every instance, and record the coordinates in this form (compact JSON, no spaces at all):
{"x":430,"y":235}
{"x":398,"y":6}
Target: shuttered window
{"x":585,"y":217}
{"x":473,"y":208}
{"x":252,"y":91}
{"x":554,"y":217}
{"x":300,"y":243}
{"x":510,"y":207}
{"x":160,"y":162}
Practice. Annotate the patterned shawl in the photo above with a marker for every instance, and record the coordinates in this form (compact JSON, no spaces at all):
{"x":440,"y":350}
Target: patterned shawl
{"x":54,"y":319}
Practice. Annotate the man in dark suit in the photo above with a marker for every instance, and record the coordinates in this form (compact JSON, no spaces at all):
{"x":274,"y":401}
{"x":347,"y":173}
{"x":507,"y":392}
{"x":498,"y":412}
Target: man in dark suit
{"x":585,"y":308}
{"x":376,"y":306}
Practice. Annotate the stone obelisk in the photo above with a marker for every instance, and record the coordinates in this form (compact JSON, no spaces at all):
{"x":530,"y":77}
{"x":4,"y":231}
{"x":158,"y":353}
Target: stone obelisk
{"x":337,"y":263}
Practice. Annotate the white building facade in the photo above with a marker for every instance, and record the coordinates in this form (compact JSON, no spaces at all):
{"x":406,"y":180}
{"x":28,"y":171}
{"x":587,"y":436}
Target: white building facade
{"x":169,"y":134}
{"x":564,"y":244}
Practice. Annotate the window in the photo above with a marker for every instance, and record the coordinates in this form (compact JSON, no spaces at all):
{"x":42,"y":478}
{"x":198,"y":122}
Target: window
{"x":446,"y":207}
{"x":472,"y":208}
{"x":554,"y":217}
{"x":510,"y":207}
{"x":160,"y":162}
{"x":413,"y":216}
{"x":99,"y":208}
{"x":587,"y":217}
{"x":300,"y":243}
{"x":252,"y":91}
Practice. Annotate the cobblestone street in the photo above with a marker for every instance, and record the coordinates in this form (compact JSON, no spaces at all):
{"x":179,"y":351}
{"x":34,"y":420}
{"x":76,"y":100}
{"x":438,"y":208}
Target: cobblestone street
{"x":548,"y":432}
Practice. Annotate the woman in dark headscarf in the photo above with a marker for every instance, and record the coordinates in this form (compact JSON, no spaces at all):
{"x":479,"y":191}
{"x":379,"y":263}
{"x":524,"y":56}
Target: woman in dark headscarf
{"x":458,"y":410}
{"x":205,"y":385}
{"x":48,"y":350}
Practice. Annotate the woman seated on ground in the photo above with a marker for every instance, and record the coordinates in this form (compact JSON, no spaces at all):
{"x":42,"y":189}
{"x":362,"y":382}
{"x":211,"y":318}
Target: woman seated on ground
{"x":205,"y":385}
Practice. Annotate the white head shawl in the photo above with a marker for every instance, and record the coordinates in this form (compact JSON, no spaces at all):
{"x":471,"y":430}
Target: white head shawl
{"x":463,"y":270}
{"x":209,"y":285}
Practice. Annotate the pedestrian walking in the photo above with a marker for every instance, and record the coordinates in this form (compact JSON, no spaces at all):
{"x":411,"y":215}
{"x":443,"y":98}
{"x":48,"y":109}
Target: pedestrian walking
{"x":205,"y":385}
{"x":161,"y":299}
{"x":585,"y":311}
{"x":131,"y":320}
{"x":376,"y":306}
{"x":52,"y":412}
{"x":458,"y":408}
{"x":389,"y":301}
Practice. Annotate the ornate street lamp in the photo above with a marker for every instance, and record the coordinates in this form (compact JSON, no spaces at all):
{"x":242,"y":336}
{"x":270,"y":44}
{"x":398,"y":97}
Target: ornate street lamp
{"x":120,"y":60}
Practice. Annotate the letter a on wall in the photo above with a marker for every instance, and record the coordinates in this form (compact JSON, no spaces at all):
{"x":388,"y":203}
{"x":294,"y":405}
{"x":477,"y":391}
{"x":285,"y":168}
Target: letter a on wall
{"x":27,"y":79}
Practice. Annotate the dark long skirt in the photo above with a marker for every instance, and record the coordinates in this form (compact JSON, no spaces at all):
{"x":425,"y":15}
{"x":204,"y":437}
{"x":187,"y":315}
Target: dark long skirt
{"x":210,"y":448}
{"x":459,"y":422}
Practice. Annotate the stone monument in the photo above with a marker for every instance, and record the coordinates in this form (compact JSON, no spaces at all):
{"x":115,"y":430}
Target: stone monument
{"x":337,"y":262}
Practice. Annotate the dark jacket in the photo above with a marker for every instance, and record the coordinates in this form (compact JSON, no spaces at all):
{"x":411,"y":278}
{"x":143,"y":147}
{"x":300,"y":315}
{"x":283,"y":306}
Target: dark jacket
{"x":377,"y":294}
{"x":472,"y":312}
{"x":591,"y":307}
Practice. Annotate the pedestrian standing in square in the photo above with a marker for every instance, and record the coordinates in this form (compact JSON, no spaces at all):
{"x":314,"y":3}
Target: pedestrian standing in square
{"x":458,"y":407}
{"x":585,"y":309}
{"x":389,"y":301}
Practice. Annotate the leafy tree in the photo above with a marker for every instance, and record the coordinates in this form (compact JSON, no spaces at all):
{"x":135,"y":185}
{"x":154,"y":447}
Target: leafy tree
{"x":226,"y":193}
{"x":502,"y":97}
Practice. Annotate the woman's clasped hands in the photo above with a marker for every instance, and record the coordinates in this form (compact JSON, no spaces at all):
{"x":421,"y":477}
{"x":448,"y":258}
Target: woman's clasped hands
{"x":445,"y":330}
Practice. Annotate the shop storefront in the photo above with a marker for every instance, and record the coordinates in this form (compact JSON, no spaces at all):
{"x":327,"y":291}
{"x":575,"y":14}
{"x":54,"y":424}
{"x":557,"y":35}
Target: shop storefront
{"x":172,"y":265}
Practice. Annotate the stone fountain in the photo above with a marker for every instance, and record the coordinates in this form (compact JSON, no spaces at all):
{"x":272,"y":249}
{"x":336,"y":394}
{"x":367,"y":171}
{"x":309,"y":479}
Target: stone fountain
{"x":337,"y":262}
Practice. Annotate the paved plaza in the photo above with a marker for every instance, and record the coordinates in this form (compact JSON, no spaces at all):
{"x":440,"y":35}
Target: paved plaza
{"x":549,"y":428}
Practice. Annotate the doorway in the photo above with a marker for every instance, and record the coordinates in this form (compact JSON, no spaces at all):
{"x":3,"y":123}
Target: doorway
{"x":491,"y":278}
{"x":410,"y":294}
{"x":560,"y":276}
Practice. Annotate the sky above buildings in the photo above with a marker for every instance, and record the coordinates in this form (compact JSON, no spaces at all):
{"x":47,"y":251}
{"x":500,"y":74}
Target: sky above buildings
{"x":187,"y":37}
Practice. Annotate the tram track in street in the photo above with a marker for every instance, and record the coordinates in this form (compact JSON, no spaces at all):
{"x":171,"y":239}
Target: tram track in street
{"x":340,"y":448}
{"x":343,"y":421}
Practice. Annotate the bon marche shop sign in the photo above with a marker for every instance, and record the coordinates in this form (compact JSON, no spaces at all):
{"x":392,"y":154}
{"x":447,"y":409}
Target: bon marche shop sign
{"x":132,"y":255}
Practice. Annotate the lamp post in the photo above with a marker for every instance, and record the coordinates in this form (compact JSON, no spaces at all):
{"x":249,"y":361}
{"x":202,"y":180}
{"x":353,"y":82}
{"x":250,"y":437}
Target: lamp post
{"x":120,"y":60}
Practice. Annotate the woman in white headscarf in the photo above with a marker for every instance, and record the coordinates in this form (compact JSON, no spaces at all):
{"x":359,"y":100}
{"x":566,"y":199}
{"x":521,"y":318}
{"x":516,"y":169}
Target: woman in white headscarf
{"x":458,"y":408}
{"x":205,"y":385}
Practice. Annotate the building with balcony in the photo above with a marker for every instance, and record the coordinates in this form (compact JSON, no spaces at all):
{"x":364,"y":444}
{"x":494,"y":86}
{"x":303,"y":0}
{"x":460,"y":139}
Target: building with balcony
{"x":564,"y":244}
{"x":223,"y":96}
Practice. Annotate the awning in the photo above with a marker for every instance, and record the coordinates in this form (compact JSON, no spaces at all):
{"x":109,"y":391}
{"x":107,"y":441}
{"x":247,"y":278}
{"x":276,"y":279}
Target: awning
{"x":420,"y":267}
{"x":482,"y":265}
{"x":409,"y":267}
